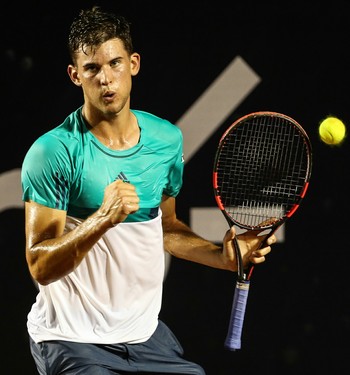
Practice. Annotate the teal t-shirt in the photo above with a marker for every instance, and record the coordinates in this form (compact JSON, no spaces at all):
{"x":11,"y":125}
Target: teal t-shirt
{"x":68,"y":168}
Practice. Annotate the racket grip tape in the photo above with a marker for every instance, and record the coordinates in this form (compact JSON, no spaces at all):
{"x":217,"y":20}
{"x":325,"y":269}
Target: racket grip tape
{"x":233,"y":338}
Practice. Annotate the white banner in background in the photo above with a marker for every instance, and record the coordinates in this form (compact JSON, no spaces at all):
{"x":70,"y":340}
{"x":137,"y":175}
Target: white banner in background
{"x":10,"y":190}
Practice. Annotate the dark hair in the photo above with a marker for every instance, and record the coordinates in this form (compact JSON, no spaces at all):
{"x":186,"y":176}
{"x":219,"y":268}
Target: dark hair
{"x":93,"y":27}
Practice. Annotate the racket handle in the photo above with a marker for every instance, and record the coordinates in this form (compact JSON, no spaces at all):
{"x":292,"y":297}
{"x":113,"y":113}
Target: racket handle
{"x":233,"y":338}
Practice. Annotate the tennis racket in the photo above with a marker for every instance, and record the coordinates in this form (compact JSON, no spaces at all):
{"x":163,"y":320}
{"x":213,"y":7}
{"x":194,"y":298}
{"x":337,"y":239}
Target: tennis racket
{"x":261,"y":173}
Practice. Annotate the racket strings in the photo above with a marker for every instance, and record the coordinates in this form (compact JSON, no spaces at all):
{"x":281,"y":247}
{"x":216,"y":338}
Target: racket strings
{"x":261,"y":169}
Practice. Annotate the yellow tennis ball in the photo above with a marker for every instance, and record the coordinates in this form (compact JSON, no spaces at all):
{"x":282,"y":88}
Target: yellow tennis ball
{"x":332,"y":131}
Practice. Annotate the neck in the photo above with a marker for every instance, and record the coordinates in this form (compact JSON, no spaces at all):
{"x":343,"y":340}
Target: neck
{"x":120,"y":133}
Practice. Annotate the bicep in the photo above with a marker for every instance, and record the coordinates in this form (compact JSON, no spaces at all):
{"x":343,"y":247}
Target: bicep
{"x":171,"y":224}
{"x":168,"y":212}
{"x":42,"y":223}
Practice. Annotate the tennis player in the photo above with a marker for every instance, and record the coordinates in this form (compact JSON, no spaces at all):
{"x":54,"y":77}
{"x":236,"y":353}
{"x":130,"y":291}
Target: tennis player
{"x":99,"y":192}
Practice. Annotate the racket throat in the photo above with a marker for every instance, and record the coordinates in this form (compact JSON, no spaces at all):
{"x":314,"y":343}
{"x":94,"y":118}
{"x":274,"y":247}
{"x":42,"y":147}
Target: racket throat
{"x":241,"y":276}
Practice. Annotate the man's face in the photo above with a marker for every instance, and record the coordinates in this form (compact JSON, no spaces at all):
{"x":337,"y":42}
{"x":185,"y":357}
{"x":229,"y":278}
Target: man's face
{"x":105,"y":75}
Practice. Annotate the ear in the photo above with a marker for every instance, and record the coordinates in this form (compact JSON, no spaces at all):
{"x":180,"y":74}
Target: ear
{"x":135,"y":60}
{"x":73,"y":75}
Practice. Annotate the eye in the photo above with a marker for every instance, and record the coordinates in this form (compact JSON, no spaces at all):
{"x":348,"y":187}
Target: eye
{"x":91,"y":68}
{"x":115,"y":62}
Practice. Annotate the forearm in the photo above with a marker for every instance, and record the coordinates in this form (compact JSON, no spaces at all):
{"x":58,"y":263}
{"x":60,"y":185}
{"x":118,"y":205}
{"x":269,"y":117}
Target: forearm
{"x":51,"y":252}
{"x":183,"y":243}
{"x":53,"y":258}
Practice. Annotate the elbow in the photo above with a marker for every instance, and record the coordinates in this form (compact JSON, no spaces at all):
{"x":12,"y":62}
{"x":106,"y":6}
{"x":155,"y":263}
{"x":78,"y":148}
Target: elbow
{"x":39,"y":276}
{"x":37,"y":272}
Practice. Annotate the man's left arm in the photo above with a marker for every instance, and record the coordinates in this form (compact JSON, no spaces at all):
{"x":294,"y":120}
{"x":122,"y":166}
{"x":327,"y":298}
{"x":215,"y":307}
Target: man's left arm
{"x":180,"y":241}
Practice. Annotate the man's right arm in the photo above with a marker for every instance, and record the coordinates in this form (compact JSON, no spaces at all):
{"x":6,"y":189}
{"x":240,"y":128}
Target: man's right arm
{"x":51,"y":253}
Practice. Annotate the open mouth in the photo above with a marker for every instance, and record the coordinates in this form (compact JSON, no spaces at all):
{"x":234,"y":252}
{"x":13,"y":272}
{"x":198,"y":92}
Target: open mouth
{"x":109,"y":96}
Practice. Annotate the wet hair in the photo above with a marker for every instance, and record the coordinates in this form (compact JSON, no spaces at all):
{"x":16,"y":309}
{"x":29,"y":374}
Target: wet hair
{"x":93,"y":27}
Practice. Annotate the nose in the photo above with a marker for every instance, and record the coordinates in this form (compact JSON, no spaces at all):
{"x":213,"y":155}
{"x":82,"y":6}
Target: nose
{"x":106,"y":75}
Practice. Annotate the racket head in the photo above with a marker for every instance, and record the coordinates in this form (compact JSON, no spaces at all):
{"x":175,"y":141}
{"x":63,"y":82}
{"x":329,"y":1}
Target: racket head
{"x":262,"y":170}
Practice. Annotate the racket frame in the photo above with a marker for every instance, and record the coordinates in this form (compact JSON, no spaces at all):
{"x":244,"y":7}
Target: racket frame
{"x":233,"y":338}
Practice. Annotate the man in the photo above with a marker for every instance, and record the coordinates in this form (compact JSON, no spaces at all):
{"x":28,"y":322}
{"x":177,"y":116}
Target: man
{"x":99,"y":194}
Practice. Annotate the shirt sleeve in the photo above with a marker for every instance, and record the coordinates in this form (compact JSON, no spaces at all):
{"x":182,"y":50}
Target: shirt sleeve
{"x":46,"y":173}
{"x":176,"y":172}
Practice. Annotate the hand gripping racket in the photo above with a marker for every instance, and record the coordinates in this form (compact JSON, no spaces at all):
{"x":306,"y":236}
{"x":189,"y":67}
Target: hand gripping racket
{"x":261,"y":173}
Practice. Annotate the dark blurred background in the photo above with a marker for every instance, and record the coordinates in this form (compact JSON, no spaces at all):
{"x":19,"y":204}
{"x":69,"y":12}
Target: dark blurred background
{"x":298,"y":314}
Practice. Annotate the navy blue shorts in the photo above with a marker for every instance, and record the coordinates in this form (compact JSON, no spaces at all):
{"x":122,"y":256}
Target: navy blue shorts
{"x":161,"y":354}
